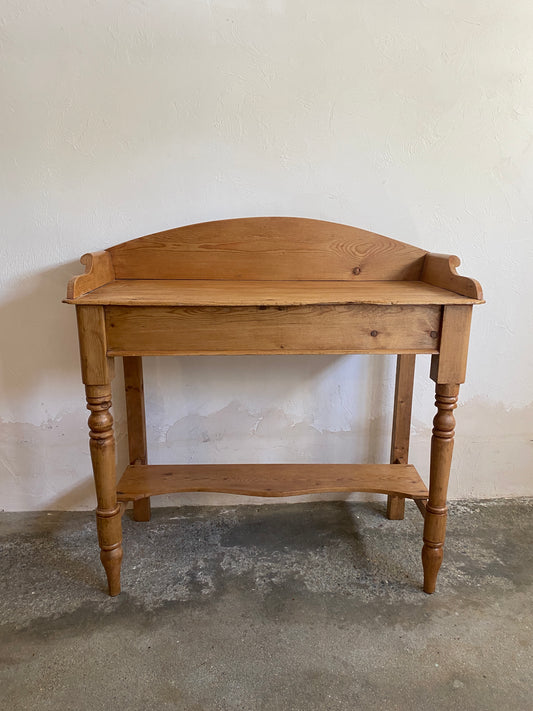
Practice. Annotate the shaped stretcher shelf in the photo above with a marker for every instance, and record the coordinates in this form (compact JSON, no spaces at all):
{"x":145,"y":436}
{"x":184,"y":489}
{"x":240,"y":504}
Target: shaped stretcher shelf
{"x":140,"y":481}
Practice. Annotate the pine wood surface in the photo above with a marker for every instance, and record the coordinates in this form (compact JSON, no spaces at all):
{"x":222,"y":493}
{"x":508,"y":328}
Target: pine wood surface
{"x":96,"y":367}
{"x":198,"y":292}
{"x":401,"y":425}
{"x":281,"y":248}
{"x":139,"y":481}
{"x":441,"y":270}
{"x":134,"y":391}
{"x":442,"y":440}
{"x":449,"y":365}
{"x":108,"y":510}
{"x":188,"y":330}
{"x":135,"y":412}
{"x":99,"y":270}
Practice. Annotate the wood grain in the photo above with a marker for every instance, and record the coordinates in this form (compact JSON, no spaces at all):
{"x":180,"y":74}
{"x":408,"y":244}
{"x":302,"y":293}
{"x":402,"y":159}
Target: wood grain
{"x":441,"y":270}
{"x":108,"y":511}
{"x":175,"y":292}
{"x":441,"y":459}
{"x":139,"y":481}
{"x":401,"y":425}
{"x":266,"y":248}
{"x":449,"y":365}
{"x":96,"y":367}
{"x":99,"y":270}
{"x":134,"y":387}
{"x":161,"y":330}
{"x":403,"y":400}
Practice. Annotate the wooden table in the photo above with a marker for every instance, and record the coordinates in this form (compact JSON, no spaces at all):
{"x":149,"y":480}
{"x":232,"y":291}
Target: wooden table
{"x":263,"y":286}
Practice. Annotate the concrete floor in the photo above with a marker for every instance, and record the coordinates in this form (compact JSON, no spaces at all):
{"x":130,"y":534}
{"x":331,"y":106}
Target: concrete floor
{"x":279,"y":607}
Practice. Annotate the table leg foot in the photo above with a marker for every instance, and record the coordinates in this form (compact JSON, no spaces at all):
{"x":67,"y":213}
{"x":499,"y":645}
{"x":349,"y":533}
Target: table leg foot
{"x":431,"y":561}
{"x":395,"y":507}
{"x":112,"y":560}
{"x":109,"y":525}
{"x":142,"y":510}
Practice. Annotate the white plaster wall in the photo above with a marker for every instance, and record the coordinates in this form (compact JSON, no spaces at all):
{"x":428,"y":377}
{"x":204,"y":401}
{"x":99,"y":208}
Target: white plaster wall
{"x":122,"y":118}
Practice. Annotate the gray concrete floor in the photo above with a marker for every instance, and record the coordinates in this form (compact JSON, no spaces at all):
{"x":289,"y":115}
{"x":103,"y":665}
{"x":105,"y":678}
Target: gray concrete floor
{"x":282,"y":607}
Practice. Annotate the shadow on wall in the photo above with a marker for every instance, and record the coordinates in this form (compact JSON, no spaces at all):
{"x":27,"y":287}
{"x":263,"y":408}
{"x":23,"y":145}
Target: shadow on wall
{"x":277,"y":408}
{"x":267,"y":409}
{"x":41,"y":346}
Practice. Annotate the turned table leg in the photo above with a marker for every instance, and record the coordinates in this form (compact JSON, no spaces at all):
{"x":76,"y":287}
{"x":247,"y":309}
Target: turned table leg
{"x":133,"y":383}
{"x":441,"y":459}
{"x":97,"y":372}
{"x":401,"y":425}
{"x":108,"y":511}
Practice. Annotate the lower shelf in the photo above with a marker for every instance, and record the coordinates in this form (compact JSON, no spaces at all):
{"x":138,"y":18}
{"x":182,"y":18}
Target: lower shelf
{"x":142,"y":480}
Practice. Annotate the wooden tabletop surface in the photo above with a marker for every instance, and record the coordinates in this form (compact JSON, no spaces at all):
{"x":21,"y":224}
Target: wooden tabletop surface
{"x":200,"y":292}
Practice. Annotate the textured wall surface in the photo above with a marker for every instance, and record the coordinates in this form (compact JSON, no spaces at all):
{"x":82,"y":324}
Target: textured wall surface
{"x":119,"y":119}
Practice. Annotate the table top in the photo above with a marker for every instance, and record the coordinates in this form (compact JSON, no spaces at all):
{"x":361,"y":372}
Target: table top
{"x":207,"y":292}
